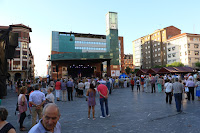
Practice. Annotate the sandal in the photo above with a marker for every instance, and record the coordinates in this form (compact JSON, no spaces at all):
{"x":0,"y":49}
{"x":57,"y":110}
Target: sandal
{"x":23,"y":129}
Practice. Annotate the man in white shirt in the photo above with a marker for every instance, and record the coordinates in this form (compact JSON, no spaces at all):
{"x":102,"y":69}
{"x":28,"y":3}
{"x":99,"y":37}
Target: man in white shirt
{"x":37,"y":100}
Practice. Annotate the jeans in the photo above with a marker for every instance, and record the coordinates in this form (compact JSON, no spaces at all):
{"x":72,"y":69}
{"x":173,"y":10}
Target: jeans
{"x":191,"y":91}
{"x":21,"y":119}
{"x":153,"y":88}
{"x":178,"y":99}
{"x":132,"y":86}
{"x":169,"y":94}
{"x":102,"y":101}
{"x":69,"y":92}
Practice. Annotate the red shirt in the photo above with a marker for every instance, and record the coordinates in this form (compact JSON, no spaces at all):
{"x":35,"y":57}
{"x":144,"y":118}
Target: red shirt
{"x":102,"y":89}
{"x":58,"y":85}
{"x":132,"y":82}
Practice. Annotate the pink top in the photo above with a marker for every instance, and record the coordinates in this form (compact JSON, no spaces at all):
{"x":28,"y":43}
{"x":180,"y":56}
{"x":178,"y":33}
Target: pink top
{"x":102,"y":89}
{"x":22,"y":107}
{"x":58,"y":85}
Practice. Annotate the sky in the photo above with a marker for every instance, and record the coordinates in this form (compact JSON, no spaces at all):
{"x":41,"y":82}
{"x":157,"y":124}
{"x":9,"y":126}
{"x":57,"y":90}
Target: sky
{"x":136,"y":18}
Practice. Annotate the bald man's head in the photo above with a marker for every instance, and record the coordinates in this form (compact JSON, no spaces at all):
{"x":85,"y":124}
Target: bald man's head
{"x":51,"y":115}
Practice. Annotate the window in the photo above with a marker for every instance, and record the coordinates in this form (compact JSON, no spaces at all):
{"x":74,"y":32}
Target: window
{"x":148,"y":51}
{"x":159,"y":54}
{"x":169,"y":49}
{"x":158,"y":44}
{"x":155,"y":55}
{"x":188,"y":45}
{"x":155,"y":50}
{"x":148,"y":46}
{"x":158,"y":38}
{"x":196,"y":52}
{"x":16,"y":65}
{"x":163,"y":48}
{"x":174,"y":61}
{"x":159,"y":60}
{"x":174,"y":55}
{"x":155,"y":45}
{"x":188,"y":52}
{"x":196,"y":45}
{"x":173,"y":48}
{"x":158,"y":49}
{"x":169,"y":55}
{"x":194,"y":39}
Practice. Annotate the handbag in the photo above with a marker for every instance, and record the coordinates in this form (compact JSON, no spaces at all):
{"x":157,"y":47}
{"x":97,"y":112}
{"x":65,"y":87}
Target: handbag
{"x":198,"y":91}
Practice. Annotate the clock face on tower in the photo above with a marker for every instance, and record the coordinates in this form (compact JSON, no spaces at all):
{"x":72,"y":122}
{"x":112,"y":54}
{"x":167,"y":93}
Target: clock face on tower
{"x":113,"y":26}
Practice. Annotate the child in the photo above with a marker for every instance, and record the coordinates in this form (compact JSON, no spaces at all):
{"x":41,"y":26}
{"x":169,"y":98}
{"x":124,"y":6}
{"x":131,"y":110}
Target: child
{"x":138,"y":84}
{"x":125,"y":83}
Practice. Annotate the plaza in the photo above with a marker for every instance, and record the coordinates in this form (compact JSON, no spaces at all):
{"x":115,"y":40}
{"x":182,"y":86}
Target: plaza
{"x":131,"y":112}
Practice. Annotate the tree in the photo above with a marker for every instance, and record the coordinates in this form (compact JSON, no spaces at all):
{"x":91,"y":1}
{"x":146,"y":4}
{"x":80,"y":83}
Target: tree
{"x":128,"y":70}
{"x":135,"y":71}
{"x":175,"y":64}
{"x":197,"y":64}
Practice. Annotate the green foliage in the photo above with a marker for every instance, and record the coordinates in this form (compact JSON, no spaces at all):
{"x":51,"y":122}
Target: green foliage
{"x":175,"y":64}
{"x":128,"y":70}
{"x":197,"y":64}
{"x":136,"y":70}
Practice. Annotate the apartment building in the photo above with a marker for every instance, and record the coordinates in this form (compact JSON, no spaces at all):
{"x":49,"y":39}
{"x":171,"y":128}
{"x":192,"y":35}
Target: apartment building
{"x":137,"y":55}
{"x":184,"y":48}
{"x":22,"y":65}
{"x":128,"y":61}
{"x":153,"y":48}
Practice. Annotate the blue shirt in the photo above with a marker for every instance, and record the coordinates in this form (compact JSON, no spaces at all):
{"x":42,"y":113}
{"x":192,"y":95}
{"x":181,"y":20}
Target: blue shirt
{"x":70,"y":84}
{"x":37,"y":97}
{"x":38,"y":128}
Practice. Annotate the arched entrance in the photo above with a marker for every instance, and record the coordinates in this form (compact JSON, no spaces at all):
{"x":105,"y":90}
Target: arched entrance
{"x":17,"y":76}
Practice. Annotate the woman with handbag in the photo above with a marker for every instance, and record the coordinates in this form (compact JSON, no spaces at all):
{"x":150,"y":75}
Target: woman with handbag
{"x":22,"y":106}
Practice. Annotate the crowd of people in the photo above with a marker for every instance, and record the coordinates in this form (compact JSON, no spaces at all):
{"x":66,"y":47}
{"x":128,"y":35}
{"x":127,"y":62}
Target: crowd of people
{"x":39,"y":98}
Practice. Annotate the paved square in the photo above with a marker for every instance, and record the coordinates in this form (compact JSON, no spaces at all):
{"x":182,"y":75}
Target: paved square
{"x":131,"y":112}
